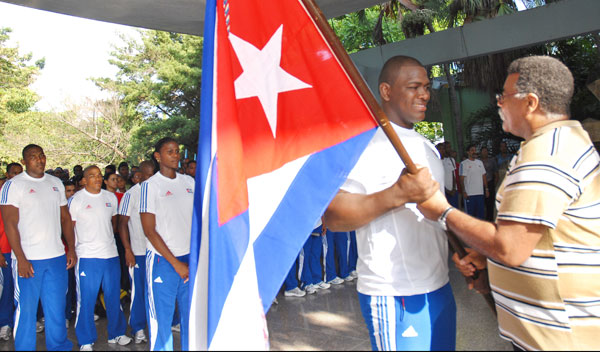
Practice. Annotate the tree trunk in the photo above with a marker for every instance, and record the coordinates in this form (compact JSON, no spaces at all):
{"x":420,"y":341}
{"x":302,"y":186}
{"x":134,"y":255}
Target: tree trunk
{"x":455,"y":109}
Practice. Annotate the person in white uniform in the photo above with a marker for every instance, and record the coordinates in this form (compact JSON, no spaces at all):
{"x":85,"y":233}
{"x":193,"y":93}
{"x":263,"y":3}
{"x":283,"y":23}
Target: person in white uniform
{"x":166,"y":206}
{"x":34,"y":210}
{"x":403,"y":284}
{"x":94,"y":214}
{"x":134,"y":242}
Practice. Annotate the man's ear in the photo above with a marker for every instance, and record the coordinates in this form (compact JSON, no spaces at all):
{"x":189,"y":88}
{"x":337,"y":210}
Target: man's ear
{"x":384,"y":91}
{"x":533,"y":102}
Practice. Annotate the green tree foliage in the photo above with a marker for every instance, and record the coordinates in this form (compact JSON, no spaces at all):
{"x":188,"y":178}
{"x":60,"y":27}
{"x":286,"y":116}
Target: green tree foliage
{"x":158,"y":83}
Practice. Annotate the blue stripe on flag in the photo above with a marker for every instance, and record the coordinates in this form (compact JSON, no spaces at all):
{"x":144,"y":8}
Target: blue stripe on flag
{"x":305,"y":201}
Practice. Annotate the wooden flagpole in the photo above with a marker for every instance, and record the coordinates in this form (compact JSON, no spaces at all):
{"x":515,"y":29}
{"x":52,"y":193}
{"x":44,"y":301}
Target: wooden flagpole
{"x":380,"y":116}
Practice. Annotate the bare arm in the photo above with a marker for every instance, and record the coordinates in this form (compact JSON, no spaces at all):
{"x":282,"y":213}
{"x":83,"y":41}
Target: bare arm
{"x":508,"y":242}
{"x":10,"y":216}
{"x":349,"y":211}
{"x":149,"y":226}
{"x":68,"y":227}
{"x":485,"y":185}
{"x":124,"y":234}
{"x":462,"y":187}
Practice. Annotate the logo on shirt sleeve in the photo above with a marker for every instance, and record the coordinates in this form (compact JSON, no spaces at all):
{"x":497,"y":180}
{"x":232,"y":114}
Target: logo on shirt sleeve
{"x":189,"y":190}
{"x":55,"y":189}
{"x":31,"y":190}
{"x":168,"y":194}
{"x":88,"y":207}
{"x":108,"y":205}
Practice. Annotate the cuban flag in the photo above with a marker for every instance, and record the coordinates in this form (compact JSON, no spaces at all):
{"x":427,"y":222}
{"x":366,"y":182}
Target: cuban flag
{"x":281,"y":127}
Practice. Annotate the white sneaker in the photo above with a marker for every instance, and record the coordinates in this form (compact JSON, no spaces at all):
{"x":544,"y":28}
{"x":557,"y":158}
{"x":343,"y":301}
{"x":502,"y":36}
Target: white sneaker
{"x":140,"y":337}
{"x":322,"y":285}
{"x":275,"y":301}
{"x":121,"y":340}
{"x":297,"y":292}
{"x":5,"y":333}
{"x":176,"y":328}
{"x":96,"y":317}
{"x":310,"y":289}
{"x":348,"y":278}
{"x":354,"y":274}
{"x":39,"y":327}
{"x":336,"y":281}
{"x":87,"y":347}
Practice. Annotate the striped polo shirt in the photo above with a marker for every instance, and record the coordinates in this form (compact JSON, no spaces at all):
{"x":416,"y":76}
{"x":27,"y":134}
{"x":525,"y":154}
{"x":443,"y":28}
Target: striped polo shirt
{"x":552,"y":300}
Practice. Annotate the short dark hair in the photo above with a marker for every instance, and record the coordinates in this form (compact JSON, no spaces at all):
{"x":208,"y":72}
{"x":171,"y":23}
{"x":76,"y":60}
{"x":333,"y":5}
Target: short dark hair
{"x":90,"y":167}
{"x":157,"y":147}
{"x":11,"y":165}
{"x":390,"y":69}
{"x":548,"y":78}
{"x":471,"y":146}
{"x":68,"y":183}
{"x":111,"y":167}
{"x":28,"y":147}
{"x":123,"y":163}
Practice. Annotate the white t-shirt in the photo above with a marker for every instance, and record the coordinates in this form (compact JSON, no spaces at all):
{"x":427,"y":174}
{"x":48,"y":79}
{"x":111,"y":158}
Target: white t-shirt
{"x":473,"y":170}
{"x":130,"y":207}
{"x":400,"y":253}
{"x":171,"y":201}
{"x":92,"y":213}
{"x":449,"y":168}
{"x":39,"y":201}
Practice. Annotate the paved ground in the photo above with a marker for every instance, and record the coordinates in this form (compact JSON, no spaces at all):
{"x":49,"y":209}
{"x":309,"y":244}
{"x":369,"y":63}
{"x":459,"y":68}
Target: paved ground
{"x":331,"y":320}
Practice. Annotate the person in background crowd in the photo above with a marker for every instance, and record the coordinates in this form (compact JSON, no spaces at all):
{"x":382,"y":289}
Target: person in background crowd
{"x":491,"y":175}
{"x":450,"y":169}
{"x":94,"y":214}
{"x":473,"y":182}
{"x":7,"y":307}
{"x":110,"y":169}
{"x":191,"y":168}
{"x":121,"y":184}
{"x":312,"y":271}
{"x":134,"y":243}
{"x":403,"y":284}
{"x":166,"y":206}
{"x":503,"y":161}
{"x":34,"y":209}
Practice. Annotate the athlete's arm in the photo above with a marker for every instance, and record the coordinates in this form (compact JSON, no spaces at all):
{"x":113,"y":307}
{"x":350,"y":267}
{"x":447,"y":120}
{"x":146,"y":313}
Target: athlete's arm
{"x":462,"y":187}
{"x":149,"y":226}
{"x":124,"y":234}
{"x":68,"y":231}
{"x":349,"y":211}
{"x":10,"y":216}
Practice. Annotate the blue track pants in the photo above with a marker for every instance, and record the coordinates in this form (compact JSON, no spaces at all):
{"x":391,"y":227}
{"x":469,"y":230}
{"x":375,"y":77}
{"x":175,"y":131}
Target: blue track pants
{"x":165,"y":289}
{"x":424,"y":322}
{"x":137,"y":277}
{"x":336,"y":247}
{"x":7,"y":299}
{"x":90,"y":274}
{"x":49,"y":284}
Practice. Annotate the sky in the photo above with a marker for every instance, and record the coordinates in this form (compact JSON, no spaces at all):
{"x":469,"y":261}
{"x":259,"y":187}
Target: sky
{"x":75,"y":49}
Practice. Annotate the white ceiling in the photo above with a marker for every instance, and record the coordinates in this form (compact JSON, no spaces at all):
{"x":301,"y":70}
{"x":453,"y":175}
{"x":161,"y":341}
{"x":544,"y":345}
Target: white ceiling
{"x":182,"y":16}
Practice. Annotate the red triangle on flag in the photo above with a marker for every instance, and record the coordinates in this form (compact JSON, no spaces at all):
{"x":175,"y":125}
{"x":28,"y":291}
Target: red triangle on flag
{"x":311,"y":106}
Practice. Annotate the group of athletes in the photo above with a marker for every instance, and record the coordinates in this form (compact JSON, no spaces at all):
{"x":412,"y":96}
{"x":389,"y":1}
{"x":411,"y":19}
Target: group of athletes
{"x":42,"y":223}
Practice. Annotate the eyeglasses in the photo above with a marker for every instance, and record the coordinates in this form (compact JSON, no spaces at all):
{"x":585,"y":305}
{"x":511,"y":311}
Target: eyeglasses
{"x":500,"y":97}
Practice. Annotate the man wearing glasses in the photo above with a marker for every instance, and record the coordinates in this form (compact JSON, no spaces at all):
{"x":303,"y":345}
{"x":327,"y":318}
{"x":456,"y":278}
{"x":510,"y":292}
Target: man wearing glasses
{"x":543,"y":251}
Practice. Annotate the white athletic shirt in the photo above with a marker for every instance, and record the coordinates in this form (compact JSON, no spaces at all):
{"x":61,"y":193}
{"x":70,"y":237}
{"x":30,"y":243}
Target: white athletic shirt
{"x":171,"y":201}
{"x":400,"y":253}
{"x":92,"y":213}
{"x":473,"y":170}
{"x":39,"y":201}
{"x":130,"y":207}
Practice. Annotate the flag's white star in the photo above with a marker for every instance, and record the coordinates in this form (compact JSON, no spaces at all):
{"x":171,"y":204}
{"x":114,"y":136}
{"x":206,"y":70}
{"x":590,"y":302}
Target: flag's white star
{"x":262,"y":75}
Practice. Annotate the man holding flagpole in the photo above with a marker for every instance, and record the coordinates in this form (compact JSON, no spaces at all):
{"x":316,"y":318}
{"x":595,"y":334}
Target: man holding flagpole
{"x":403,"y":284}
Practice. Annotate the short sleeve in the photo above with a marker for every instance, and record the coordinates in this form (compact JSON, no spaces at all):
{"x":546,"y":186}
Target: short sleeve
{"x":73,"y":207}
{"x":148,"y":198}
{"x":124,"y":208}
{"x":10,"y":194}
{"x":63,"y":197}
{"x":115,"y":204}
{"x":460,"y":170}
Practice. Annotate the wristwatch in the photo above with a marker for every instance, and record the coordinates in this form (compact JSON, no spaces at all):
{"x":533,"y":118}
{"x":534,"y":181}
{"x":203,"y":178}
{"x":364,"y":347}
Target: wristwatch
{"x":444,"y":216}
